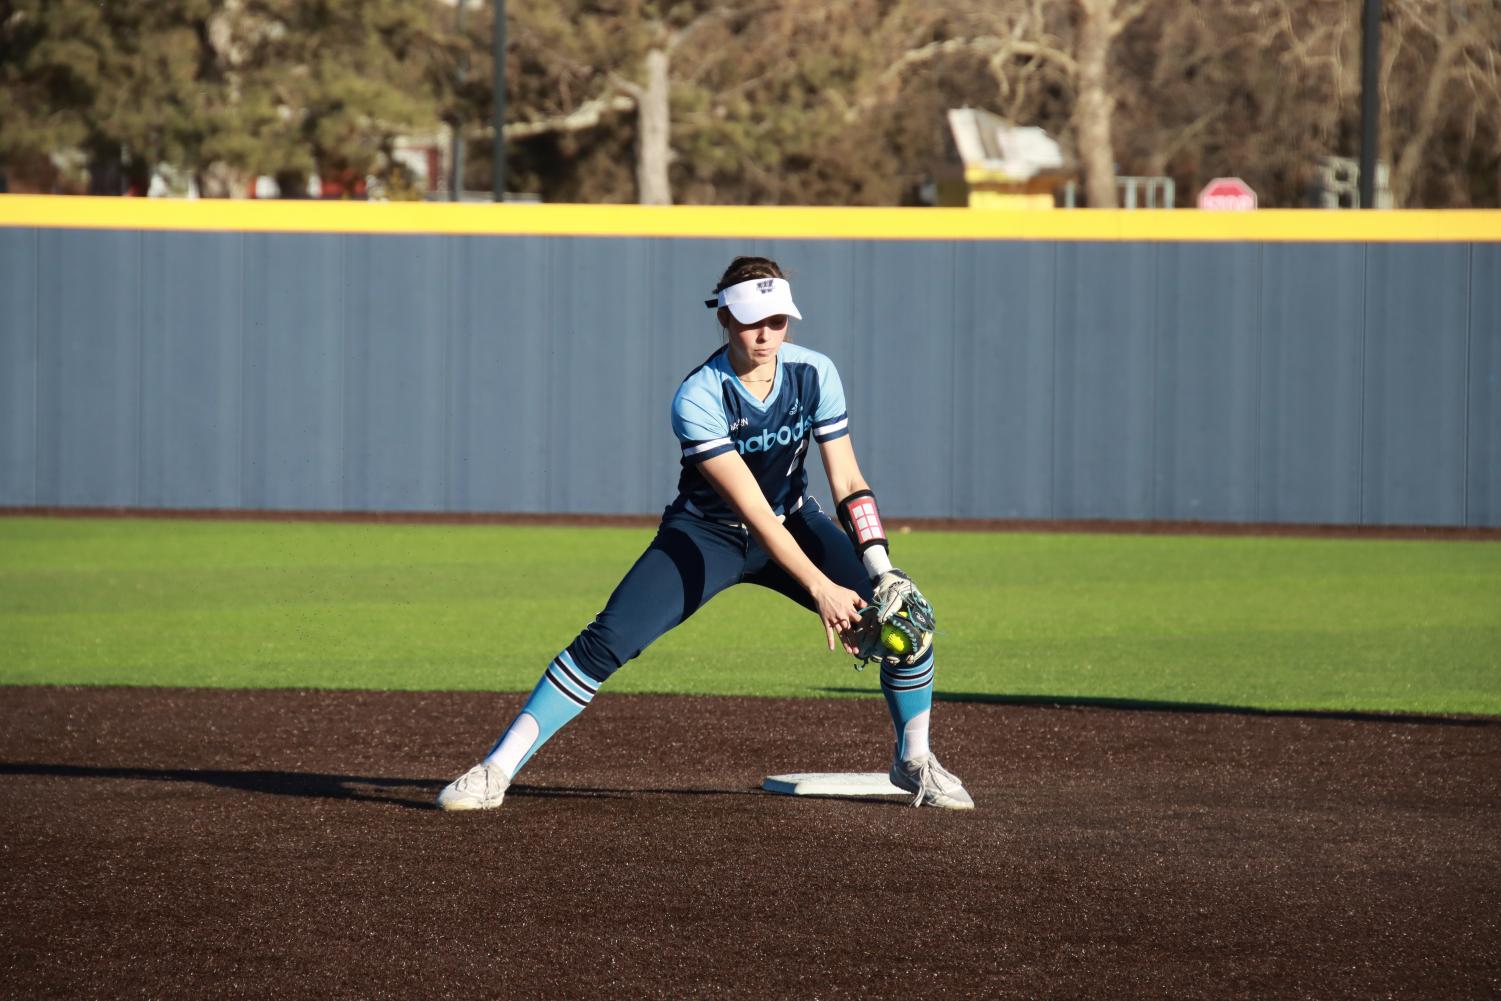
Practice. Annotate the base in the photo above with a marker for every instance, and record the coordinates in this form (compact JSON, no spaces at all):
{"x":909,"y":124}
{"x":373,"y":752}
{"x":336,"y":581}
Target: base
{"x":832,"y":784}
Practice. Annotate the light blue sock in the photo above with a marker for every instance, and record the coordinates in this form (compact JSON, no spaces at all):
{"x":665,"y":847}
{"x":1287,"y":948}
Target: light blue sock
{"x":909,"y":697}
{"x":562,"y":693}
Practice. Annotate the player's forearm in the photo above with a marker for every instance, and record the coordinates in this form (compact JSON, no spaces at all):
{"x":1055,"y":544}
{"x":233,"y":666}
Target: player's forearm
{"x":846,"y":485}
{"x":728,"y":475}
{"x":842,"y":468}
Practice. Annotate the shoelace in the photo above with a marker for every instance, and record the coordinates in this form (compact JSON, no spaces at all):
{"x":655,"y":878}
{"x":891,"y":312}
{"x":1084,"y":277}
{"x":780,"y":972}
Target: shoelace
{"x":476,"y":780}
{"x":926,"y":774}
{"x":922,"y":787}
{"x":923,"y":774}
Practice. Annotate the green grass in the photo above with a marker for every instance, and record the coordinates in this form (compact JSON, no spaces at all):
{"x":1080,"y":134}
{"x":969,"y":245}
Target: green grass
{"x":1252,"y":622}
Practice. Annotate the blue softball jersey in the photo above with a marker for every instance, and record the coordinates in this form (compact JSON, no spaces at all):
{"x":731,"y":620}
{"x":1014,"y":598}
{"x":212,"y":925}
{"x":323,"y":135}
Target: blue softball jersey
{"x":713,"y":413}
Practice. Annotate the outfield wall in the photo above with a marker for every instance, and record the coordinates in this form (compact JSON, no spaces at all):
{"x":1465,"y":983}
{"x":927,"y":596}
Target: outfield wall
{"x":1305,"y":367}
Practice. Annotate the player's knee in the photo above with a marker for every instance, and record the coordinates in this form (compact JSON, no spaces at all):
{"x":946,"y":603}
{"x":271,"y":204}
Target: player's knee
{"x":600,"y":651}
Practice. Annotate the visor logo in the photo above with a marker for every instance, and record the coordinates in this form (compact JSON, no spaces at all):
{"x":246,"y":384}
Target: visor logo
{"x":766,"y":286}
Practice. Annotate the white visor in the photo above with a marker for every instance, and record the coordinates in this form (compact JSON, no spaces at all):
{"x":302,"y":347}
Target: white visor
{"x":755,"y":300}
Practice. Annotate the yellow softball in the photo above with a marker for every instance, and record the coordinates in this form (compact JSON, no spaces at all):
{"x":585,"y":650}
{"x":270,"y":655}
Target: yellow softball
{"x":895,"y":640}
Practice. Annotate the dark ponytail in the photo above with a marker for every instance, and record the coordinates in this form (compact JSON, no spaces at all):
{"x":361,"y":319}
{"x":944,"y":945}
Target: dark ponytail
{"x":743,"y":269}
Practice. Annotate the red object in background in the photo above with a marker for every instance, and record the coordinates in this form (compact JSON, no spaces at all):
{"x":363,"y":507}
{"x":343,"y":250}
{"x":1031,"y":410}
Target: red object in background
{"x":344,"y":184}
{"x":1227,"y":194}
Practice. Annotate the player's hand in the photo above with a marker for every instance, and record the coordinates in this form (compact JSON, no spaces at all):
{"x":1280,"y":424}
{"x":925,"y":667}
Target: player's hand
{"x":839,"y":608}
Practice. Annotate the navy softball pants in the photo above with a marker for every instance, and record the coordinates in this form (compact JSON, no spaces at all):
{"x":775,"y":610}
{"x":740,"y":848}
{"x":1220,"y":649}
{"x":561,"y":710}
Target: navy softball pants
{"x":690,"y":561}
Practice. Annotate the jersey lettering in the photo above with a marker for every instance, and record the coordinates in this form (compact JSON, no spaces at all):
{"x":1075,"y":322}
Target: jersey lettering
{"x":783,"y":435}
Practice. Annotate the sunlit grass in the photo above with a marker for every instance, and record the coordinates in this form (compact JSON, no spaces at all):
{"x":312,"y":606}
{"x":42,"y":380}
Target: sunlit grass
{"x":1253,"y":622}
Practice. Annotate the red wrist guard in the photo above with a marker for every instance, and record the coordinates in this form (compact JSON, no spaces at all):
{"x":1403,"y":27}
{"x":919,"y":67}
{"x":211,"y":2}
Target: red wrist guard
{"x":861,"y":521}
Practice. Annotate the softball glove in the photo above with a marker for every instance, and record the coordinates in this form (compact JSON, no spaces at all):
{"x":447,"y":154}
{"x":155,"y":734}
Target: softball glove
{"x":898,"y":628}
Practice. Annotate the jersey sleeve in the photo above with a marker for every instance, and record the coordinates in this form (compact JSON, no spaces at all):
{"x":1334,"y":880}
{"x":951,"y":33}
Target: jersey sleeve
{"x":830,"y":420}
{"x":699,"y":421}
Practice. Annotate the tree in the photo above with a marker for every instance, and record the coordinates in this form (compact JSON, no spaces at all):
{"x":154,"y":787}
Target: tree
{"x":340,"y":79}
{"x":1023,"y":42}
{"x":1444,"y":60}
{"x":219,"y":89}
{"x":1100,"y":23}
{"x":706,"y":101}
{"x":767,"y":118}
{"x":585,"y":61}
{"x":123,"y":82}
{"x":785,"y":102}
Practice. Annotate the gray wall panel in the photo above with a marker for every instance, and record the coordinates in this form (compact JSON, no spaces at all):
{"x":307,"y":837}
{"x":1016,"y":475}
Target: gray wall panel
{"x":1312,"y":316}
{"x":906,"y":407}
{"x":1416,"y":338}
{"x":1102,"y":463}
{"x":1004,"y":381}
{"x":598,"y":378}
{"x":1483,"y":427}
{"x":395,"y":371}
{"x":1206,"y":402}
{"x":89,"y":368}
{"x":18,"y":367}
{"x":292,"y":441}
{"x":500,"y":338}
{"x":192,"y":287}
{"x":1339,"y":383}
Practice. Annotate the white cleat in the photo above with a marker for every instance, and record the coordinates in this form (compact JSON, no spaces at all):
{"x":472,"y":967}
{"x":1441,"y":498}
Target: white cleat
{"x":930,"y":783}
{"x":482,"y":787}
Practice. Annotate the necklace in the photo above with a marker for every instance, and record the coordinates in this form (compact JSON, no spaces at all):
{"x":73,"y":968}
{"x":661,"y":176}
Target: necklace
{"x":744,"y":379}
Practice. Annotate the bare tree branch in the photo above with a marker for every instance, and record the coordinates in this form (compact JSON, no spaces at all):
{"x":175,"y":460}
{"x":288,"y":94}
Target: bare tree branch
{"x":1452,"y":40}
{"x":585,"y":116}
{"x":629,"y":87}
{"x":1123,"y":20}
{"x":995,"y":48}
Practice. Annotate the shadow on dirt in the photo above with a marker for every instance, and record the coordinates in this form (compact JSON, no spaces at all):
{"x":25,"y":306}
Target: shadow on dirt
{"x":370,"y":788}
{"x":1155,"y":705}
{"x":404,"y":792}
{"x":584,"y":792}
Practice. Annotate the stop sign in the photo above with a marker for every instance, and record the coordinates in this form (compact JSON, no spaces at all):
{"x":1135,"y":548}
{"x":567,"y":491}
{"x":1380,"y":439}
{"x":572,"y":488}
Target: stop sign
{"x":1227,"y":194}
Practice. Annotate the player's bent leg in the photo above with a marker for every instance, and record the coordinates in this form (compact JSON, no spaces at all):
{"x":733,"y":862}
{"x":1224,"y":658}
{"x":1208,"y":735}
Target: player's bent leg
{"x":829,"y":548}
{"x":563,"y":692}
{"x":909,"y":699}
{"x":683,"y":568}
{"x":908,"y":690}
{"x":914,"y":768}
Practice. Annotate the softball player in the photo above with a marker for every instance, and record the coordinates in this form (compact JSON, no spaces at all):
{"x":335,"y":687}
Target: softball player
{"x":744,"y":419}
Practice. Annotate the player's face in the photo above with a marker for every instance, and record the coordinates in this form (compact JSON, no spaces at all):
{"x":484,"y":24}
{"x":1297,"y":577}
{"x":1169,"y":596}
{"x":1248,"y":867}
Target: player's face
{"x":757,"y":343}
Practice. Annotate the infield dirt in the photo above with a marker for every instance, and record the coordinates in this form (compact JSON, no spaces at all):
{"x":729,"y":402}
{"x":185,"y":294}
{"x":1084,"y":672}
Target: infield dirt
{"x":282,"y":844}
